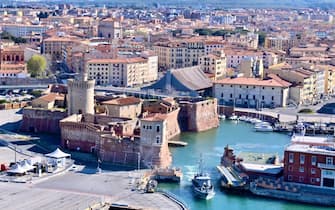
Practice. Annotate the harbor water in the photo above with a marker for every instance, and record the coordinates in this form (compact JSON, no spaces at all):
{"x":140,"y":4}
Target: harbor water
{"x":242,"y":138}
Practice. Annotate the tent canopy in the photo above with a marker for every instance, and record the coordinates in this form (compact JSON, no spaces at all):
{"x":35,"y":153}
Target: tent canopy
{"x":26,"y":166}
{"x":58,"y":154}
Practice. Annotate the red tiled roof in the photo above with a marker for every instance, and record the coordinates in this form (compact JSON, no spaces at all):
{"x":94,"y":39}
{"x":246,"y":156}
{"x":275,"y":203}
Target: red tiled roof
{"x":122,"y":101}
{"x":252,"y":81}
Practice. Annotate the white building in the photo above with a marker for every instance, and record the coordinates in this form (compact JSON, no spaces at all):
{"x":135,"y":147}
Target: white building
{"x":20,"y":30}
{"x":252,"y":92}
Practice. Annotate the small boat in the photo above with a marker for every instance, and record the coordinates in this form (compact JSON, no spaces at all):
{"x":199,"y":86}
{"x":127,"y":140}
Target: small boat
{"x":263,"y":127}
{"x":233,"y":117}
{"x":255,"y":120}
{"x":242,"y":118}
{"x":222,"y":117}
{"x":202,"y":184}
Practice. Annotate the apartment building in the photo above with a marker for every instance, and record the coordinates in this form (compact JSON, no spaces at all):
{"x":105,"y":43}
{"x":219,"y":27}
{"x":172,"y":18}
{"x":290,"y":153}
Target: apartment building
{"x":22,"y":30}
{"x":252,"y":92}
{"x":308,"y":84}
{"x":123,"y":72}
{"x":310,"y":160}
{"x":54,"y":46}
{"x":184,"y":53}
{"x":249,"y":40}
{"x":110,"y":28}
{"x":235,"y":56}
{"x":214,"y":64}
{"x":279,"y":43}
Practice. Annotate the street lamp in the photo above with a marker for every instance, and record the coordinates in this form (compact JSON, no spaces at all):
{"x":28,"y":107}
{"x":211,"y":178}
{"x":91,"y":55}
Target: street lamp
{"x":138,"y":161}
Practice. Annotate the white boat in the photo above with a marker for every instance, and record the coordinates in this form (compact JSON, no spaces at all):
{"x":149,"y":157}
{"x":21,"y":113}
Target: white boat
{"x":255,"y":121}
{"x":222,"y":117}
{"x":242,"y":118}
{"x":202,"y":184}
{"x":233,"y":117}
{"x":263,"y":127}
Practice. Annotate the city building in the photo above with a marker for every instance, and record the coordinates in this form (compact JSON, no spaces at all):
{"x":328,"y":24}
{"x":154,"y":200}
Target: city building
{"x":110,"y":28}
{"x":123,"y":72}
{"x":310,"y":160}
{"x":22,"y":30}
{"x":128,"y":107}
{"x":252,"y":92}
{"x":214,"y":64}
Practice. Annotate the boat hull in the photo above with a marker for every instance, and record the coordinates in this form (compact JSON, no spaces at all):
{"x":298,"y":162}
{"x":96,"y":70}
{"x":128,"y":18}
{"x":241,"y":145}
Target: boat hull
{"x":206,"y":195}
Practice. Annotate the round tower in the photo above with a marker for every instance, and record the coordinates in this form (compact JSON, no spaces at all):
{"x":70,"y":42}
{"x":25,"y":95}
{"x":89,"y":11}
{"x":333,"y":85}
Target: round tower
{"x":80,"y":96}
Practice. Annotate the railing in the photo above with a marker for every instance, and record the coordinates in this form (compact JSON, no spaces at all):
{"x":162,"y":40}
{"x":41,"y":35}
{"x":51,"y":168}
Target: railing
{"x":175,"y":198}
{"x":327,"y":166}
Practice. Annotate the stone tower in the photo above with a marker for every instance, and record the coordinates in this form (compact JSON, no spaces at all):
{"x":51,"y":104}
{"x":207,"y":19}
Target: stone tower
{"x":80,"y":98}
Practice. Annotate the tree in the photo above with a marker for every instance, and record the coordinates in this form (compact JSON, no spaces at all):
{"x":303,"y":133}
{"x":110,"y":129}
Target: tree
{"x":37,"y":65}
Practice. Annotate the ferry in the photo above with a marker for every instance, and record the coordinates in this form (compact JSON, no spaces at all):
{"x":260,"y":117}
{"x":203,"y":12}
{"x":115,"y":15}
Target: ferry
{"x":202,"y":184}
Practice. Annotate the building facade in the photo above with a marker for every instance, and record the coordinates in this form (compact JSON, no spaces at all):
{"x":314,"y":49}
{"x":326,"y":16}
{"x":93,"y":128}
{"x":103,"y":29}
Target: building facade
{"x":252,"y":92}
{"x":123,"y":72}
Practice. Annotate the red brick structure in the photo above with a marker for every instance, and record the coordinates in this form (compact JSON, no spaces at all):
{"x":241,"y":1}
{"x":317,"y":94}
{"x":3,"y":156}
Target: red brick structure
{"x":310,"y":160}
{"x":198,"y":114}
{"x":41,"y":120}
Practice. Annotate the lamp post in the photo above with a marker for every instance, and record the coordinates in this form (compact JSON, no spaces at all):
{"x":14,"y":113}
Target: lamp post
{"x":138,"y":161}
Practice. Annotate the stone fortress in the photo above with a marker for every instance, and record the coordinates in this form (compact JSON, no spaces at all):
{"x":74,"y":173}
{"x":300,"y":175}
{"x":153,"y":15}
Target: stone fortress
{"x":122,"y":130}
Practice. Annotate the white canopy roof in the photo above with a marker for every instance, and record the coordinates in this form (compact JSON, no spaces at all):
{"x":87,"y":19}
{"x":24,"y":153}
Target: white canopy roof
{"x":58,"y":154}
{"x":17,"y":169}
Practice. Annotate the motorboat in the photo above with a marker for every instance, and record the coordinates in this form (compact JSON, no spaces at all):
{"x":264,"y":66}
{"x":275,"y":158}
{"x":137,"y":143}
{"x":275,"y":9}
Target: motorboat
{"x":263,"y":127}
{"x":202,"y":184}
{"x":222,"y":117}
{"x":255,"y":121}
{"x":233,"y":117}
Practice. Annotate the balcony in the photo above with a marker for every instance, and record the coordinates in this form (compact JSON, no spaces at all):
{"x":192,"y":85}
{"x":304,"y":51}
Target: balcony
{"x":326,"y":166}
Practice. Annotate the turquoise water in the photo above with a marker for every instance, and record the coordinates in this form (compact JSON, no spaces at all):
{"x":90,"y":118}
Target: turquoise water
{"x":241,"y":137}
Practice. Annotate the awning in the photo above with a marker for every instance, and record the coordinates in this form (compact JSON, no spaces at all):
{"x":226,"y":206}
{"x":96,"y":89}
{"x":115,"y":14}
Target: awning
{"x":58,"y":154}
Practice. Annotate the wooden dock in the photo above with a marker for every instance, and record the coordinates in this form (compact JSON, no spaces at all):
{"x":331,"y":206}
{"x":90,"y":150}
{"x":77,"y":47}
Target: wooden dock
{"x":177,"y":143}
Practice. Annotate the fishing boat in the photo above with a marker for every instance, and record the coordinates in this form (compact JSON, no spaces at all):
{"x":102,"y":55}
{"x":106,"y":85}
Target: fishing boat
{"x":263,"y":127}
{"x":202,"y":184}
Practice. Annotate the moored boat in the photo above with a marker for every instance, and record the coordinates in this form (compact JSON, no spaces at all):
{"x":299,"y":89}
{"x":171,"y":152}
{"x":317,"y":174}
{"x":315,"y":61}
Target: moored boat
{"x":263,"y":127}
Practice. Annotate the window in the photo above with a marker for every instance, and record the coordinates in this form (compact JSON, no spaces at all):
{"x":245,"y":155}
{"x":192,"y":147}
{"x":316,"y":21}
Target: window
{"x":302,"y":159}
{"x":301,"y":178}
{"x":313,"y":160}
{"x":240,"y":96}
{"x":254,"y":97}
{"x":312,"y":180}
{"x":329,"y":160}
{"x":301,"y":169}
{"x":221,"y":95}
{"x":291,"y":158}
{"x":231,"y":95}
{"x":157,"y":139}
{"x":272,"y":98}
{"x":313,"y":171}
{"x":289,"y":177}
{"x":263,"y":97}
{"x":157,"y":128}
{"x":290,"y":168}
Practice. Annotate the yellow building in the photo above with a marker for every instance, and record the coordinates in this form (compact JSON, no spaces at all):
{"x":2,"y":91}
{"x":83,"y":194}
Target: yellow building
{"x":214,"y":64}
{"x":129,"y":107}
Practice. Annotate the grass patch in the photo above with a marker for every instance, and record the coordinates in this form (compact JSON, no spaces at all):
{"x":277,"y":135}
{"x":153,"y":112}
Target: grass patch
{"x":306,"y":111}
